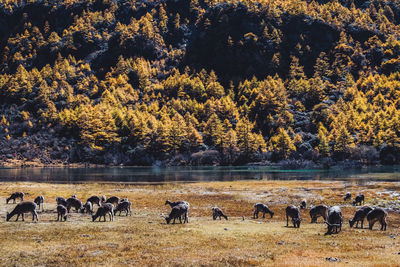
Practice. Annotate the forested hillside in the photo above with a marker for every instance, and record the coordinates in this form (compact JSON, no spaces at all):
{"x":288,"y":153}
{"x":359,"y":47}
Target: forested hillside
{"x":193,"y":82}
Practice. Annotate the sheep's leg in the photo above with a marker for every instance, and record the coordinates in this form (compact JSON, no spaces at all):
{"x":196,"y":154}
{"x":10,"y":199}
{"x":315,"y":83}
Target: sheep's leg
{"x":287,"y":221}
{"x":17,"y":217}
{"x":371,"y":225}
{"x":35,"y":216}
{"x":362,"y":224}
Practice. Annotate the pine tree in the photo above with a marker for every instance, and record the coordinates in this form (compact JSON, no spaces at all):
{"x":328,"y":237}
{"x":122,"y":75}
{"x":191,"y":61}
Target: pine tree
{"x":282,"y":144}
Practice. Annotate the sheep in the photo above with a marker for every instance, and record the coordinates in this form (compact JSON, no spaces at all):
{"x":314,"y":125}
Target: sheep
{"x":359,"y":200}
{"x":24,"y":207}
{"x":377,"y":214}
{"x":88,"y":207}
{"x":173,"y":204}
{"x":177,"y":212}
{"x":347,"y":196}
{"x":61,"y":213}
{"x":317,"y":211}
{"x":61,"y":201}
{"x":74,"y":202}
{"x":294,"y":213}
{"x":217,"y":212}
{"x":123,"y":206}
{"x":39,"y":201}
{"x":303,"y":204}
{"x":95,"y":200}
{"x":113,"y":200}
{"x":359,"y":216}
{"x":14,"y":196}
{"x":103,"y":210}
{"x":335,"y":220}
{"x":260,"y":207}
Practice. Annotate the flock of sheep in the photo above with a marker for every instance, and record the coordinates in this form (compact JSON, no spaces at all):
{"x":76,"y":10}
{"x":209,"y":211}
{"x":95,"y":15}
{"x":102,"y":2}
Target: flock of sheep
{"x":180,"y":210}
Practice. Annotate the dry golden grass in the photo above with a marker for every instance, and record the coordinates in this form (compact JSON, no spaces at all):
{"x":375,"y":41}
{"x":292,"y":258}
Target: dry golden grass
{"x":145,"y":239}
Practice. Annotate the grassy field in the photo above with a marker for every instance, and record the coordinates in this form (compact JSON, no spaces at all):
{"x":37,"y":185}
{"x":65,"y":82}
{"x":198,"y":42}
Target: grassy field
{"x":145,"y":239}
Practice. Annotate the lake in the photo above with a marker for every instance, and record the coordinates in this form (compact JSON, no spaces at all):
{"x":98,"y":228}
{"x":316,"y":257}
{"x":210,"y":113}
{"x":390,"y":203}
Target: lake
{"x":193,"y":174}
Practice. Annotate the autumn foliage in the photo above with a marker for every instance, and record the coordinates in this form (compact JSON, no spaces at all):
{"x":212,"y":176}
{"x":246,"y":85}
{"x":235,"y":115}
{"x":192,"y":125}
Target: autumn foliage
{"x":200,"y":82}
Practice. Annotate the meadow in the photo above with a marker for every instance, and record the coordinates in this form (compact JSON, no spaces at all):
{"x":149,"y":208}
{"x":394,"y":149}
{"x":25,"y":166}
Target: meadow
{"x":144,"y":239}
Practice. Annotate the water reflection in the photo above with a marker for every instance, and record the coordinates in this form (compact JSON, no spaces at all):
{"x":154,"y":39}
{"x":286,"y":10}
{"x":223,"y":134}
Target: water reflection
{"x":182,"y":174}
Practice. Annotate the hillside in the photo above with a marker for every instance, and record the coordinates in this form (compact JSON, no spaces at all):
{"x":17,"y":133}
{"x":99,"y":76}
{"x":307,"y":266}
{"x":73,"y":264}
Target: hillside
{"x":189,"y":82}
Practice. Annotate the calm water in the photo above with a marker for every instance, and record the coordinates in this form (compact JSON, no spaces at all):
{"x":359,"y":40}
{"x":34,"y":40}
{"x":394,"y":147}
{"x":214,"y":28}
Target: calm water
{"x":187,"y":174}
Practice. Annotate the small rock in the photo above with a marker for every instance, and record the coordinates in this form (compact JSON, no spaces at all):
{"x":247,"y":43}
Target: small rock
{"x":112,"y":245}
{"x":282,"y":243}
{"x":226,"y":229}
{"x":392,"y":236}
{"x":97,"y":252}
{"x":332,"y":259}
{"x":85,"y":235}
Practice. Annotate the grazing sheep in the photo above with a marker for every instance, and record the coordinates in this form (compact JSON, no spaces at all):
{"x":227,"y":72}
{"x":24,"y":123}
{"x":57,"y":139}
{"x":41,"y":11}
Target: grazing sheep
{"x":177,"y":212}
{"x":317,"y":211}
{"x":39,"y":201}
{"x":217,"y":212}
{"x":260,"y":207}
{"x":24,"y":207}
{"x":377,"y":214}
{"x":294,"y":213}
{"x":359,"y":216}
{"x":303,"y":204}
{"x":74,"y":202}
{"x":123,"y":206}
{"x":113,"y":200}
{"x":359,"y":200}
{"x":61,"y":201}
{"x":347,"y":196}
{"x":88,"y":207}
{"x":95,"y":200}
{"x":181,"y":202}
{"x":335,"y":220}
{"x":14,"y":196}
{"x":103,"y":210}
{"x":61,"y":213}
